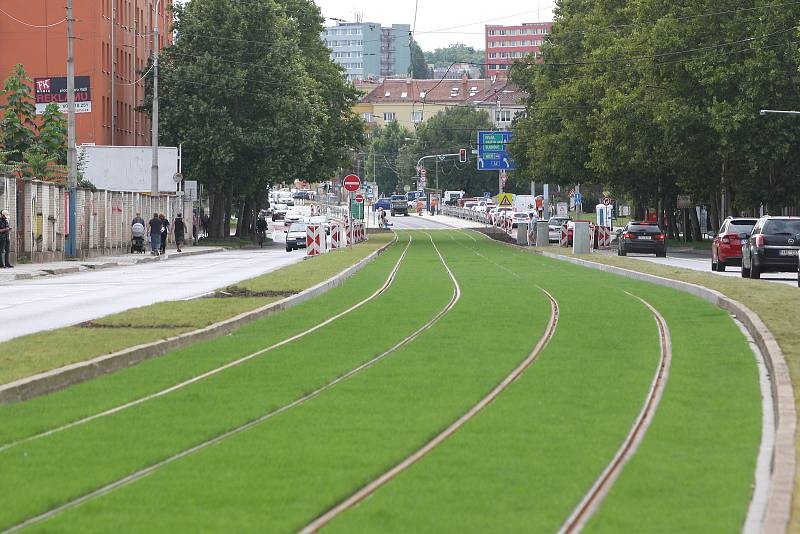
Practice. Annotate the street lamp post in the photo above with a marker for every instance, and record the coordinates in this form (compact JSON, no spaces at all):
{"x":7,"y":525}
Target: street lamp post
{"x":154,"y":168}
{"x":71,"y":248}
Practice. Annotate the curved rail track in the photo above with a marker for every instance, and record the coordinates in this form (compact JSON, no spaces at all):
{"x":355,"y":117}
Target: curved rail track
{"x":594,"y":498}
{"x":142,"y":473}
{"x":373,"y":486}
{"x":381,"y":290}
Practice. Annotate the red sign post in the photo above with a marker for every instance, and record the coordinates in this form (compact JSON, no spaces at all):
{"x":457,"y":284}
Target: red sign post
{"x":351,"y":182}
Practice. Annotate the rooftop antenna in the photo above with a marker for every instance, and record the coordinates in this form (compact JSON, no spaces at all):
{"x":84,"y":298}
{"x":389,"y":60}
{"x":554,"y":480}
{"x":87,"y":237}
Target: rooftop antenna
{"x":358,"y":16}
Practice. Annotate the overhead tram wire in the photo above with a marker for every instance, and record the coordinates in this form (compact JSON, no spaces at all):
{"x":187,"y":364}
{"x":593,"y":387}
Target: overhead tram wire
{"x":40,"y":26}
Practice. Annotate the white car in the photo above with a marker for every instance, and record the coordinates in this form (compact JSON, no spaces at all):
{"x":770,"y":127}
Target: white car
{"x":519,"y":217}
{"x":296,"y":236}
{"x":292,"y":217}
{"x":470,"y":205}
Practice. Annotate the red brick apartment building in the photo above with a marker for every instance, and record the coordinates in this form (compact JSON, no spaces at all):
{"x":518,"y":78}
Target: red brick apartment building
{"x":113,"y":42}
{"x":504,"y":44}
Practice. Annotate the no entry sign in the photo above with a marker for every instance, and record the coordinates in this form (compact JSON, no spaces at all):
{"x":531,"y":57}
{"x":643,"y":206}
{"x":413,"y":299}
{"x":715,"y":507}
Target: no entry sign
{"x":351,"y":182}
{"x":359,"y":198}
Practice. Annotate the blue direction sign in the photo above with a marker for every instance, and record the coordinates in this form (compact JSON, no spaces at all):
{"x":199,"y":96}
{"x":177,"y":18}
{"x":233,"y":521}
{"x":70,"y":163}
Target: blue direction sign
{"x":493,"y":151}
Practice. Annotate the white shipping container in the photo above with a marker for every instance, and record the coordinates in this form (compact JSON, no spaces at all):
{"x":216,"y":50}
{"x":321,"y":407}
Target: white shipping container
{"x":127,"y":168}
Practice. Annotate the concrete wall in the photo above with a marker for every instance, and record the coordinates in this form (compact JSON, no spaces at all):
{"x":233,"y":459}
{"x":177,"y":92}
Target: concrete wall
{"x":103,"y":219}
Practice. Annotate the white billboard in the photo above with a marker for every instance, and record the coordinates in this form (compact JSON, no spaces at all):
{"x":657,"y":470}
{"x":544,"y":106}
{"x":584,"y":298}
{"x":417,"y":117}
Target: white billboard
{"x":128,"y":168}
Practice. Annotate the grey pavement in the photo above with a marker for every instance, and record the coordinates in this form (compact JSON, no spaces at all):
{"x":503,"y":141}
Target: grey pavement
{"x":46,"y":303}
{"x":25,"y":271}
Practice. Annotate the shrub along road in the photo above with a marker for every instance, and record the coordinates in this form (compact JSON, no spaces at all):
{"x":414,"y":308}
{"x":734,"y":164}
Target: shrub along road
{"x":522,"y":463}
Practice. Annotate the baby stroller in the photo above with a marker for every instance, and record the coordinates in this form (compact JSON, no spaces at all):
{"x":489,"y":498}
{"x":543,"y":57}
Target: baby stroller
{"x":137,"y":241}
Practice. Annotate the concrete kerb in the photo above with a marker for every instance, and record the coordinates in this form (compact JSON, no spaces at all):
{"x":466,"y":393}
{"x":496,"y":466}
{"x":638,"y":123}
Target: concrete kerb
{"x":68,"y":375}
{"x":781,"y":479}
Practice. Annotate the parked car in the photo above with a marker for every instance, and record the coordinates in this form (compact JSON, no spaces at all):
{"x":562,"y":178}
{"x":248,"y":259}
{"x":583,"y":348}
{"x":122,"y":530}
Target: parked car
{"x":772,"y":246}
{"x":301,"y":195}
{"x":399,"y":205}
{"x":296,"y":236}
{"x":554,"y":228}
{"x":726,"y":248}
{"x":519,"y":217}
{"x":279,"y":212}
{"x":643,"y":237}
{"x":384,"y":203}
{"x":292,"y":217}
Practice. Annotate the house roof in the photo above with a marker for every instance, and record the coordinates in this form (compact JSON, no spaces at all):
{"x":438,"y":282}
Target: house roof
{"x":398,"y":91}
{"x":504,"y":92}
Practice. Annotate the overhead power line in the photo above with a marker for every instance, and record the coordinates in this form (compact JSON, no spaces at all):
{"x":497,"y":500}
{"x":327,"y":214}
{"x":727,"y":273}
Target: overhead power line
{"x":15,"y":19}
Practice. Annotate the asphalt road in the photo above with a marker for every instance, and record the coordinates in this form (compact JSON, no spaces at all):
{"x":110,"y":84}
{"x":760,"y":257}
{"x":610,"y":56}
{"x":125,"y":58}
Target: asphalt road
{"x":702,"y":262}
{"x":415,"y":222}
{"x":30,"y":306}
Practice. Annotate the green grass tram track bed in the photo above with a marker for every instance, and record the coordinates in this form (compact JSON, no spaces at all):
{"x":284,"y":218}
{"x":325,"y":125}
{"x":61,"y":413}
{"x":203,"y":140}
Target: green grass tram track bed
{"x":522,"y":464}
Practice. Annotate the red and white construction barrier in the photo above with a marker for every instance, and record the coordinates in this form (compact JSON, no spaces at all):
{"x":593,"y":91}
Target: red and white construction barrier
{"x":563,"y":239}
{"x":336,"y":237}
{"x":602,"y":237}
{"x":315,"y":239}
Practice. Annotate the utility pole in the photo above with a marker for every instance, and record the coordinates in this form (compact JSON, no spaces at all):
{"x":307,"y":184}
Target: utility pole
{"x":154,"y":168}
{"x":113,"y":76}
{"x":72,"y":155}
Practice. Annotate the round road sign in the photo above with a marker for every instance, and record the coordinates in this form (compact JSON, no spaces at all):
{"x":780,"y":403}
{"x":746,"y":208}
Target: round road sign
{"x":359,"y":198}
{"x":608,"y":201}
{"x":351,"y":182}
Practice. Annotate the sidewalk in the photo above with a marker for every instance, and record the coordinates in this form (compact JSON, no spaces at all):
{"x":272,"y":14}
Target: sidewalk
{"x":26,"y":271}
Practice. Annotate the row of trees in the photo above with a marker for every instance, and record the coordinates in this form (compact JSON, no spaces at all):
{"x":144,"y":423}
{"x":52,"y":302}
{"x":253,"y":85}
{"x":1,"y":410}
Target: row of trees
{"x":394,"y":151}
{"x":250,"y":91}
{"x":36,"y":146}
{"x":651,"y":99}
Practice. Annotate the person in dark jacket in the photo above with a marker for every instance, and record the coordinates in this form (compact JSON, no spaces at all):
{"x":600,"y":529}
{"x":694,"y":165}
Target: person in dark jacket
{"x":155,"y":234}
{"x":179,"y":230}
{"x":164,"y":232}
{"x":5,"y":240}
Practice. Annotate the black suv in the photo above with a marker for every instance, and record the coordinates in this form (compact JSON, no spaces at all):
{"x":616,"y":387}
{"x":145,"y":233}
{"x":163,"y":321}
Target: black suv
{"x":772,"y":246}
{"x":645,"y":237}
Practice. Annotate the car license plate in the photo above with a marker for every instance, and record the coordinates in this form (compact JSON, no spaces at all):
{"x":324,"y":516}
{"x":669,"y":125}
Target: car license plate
{"x":644,"y":237}
{"x":789,"y":252}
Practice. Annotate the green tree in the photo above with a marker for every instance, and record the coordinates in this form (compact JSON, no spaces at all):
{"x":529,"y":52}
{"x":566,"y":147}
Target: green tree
{"x":446,"y":133}
{"x":17,"y":123}
{"x":255,"y":100}
{"x":419,"y":66}
{"x":385,"y":161}
{"x":52,"y":132}
{"x":455,"y":53}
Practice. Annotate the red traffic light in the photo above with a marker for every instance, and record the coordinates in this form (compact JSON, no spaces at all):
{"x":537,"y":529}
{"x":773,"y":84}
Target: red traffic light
{"x":462,"y":155}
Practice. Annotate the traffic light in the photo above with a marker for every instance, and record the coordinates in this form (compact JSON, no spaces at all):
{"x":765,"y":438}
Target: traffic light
{"x":462,"y":155}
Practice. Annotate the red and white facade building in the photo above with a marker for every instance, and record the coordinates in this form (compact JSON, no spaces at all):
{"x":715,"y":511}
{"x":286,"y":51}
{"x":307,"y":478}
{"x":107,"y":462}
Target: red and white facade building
{"x":505,"y":44}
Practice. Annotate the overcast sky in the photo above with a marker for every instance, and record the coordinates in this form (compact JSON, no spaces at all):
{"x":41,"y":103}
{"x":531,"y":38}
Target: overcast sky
{"x":448,"y":21}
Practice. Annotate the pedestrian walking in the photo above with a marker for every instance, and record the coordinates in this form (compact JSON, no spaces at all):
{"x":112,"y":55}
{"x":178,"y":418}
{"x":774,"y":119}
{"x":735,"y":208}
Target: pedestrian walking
{"x":138,"y":219}
{"x":155,"y":234}
{"x":5,"y":241}
{"x":164,"y":232}
{"x":179,"y":230}
{"x":204,"y":224}
{"x":195,"y":225}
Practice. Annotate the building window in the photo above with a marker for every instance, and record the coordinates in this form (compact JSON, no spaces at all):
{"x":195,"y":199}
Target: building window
{"x":416,"y":117}
{"x":389,"y":116}
{"x":502,"y":115}
{"x":367,"y":116}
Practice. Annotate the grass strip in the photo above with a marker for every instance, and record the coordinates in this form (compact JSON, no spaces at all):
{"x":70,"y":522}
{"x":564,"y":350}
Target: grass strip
{"x":54,"y":468}
{"x":20,"y":420}
{"x":522,"y":463}
{"x":318,"y":453}
{"x":35,"y":353}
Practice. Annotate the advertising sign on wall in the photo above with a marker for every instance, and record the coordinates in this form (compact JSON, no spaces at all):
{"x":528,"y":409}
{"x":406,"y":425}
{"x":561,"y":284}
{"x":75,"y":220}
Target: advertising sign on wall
{"x":55,"y":90}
